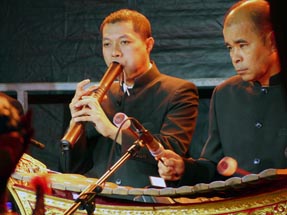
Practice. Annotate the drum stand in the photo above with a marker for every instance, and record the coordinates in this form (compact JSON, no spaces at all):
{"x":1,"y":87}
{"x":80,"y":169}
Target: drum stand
{"x":87,"y":198}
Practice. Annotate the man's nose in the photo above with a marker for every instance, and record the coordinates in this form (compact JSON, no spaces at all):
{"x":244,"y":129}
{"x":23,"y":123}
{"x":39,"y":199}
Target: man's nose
{"x":116,"y":52}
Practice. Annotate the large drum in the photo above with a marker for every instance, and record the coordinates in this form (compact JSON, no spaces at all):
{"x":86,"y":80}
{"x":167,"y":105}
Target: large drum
{"x":263,"y":193}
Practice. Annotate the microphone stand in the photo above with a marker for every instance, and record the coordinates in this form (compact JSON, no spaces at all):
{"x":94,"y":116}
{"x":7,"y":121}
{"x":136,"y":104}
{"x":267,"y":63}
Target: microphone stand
{"x":87,"y":198}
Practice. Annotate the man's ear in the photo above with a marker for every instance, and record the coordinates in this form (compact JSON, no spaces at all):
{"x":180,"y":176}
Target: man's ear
{"x":149,"y":44}
{"x":272,"y":40}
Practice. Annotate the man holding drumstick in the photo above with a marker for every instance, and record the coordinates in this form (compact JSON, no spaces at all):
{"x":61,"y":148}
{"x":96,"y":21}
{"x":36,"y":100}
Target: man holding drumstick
{"x":248,"y":115}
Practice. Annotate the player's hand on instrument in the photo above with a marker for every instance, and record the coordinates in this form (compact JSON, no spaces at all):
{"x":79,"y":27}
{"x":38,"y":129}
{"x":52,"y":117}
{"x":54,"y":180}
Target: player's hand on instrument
{"x":171,"y":166}
{"x":84,"y":107}
{"x":80,"y":91}
{"x":93,"y":112}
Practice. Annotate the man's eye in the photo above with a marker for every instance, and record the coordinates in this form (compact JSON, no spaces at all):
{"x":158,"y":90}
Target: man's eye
{"x":106,"y":44}
{"x":242,"y":45}
{"x":125,"y":42}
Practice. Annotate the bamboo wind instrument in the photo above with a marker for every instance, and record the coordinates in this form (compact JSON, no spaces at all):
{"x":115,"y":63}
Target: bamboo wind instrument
{"x":75,"y":131}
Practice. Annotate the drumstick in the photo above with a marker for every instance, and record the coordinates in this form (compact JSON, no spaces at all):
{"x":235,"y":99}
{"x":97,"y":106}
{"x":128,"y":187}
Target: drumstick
{"x":228,"y":166}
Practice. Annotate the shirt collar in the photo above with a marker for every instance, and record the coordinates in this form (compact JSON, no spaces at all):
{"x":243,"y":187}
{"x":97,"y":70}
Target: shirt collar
{"x":147,"y":77}
{"x":276,"y":79}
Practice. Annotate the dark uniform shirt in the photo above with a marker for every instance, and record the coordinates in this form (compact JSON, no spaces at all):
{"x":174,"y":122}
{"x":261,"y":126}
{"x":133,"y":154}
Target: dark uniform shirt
{"x":166,"y":106}
{"x":247,"y":122}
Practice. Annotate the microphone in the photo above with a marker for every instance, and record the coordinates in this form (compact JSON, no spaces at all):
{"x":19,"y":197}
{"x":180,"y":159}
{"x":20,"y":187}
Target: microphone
{"x":228,"y":166}
{"x":154,"y":146}
{"x":123,"y":122}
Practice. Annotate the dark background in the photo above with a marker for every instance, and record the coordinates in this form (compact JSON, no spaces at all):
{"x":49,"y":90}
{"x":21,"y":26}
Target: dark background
{"x":59,"y":41}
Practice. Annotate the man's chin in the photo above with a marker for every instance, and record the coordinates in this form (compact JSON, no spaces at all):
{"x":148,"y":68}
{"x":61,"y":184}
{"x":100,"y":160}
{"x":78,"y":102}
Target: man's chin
{"x":246,"y":77}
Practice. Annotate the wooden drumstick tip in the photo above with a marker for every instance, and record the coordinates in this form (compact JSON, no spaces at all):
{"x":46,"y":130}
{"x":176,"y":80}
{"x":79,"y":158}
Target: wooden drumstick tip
{"x":228,"y":166}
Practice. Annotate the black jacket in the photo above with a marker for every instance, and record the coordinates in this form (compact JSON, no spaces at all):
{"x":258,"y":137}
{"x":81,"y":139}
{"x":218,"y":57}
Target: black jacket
{"x":247,"y":122}
{"x":165,"y":105}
